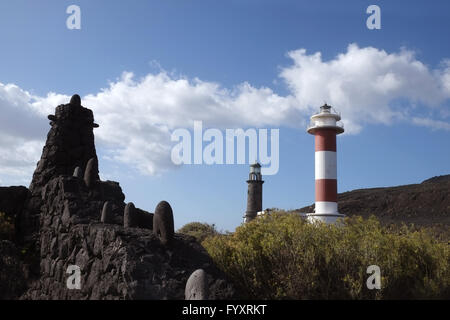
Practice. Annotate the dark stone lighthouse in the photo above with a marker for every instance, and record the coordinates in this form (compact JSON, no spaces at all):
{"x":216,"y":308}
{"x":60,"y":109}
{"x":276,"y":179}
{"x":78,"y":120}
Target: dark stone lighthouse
{"x":254,"y":195}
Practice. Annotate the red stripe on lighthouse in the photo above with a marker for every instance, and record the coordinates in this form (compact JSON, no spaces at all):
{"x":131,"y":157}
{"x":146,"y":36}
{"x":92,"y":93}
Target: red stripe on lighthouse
{"x":326,"y":190}
{"x":325,"y":139}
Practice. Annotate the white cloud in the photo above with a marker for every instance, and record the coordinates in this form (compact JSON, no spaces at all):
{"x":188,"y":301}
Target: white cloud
{"x":433,"y":124}
{"x":365,"y":83}
{"x":21,"y":135}
{"x":136,"y":116}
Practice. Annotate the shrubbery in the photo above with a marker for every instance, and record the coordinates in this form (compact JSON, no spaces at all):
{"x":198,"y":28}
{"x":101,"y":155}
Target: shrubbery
{"x":199,"y":230}
{"x":280,"y":256}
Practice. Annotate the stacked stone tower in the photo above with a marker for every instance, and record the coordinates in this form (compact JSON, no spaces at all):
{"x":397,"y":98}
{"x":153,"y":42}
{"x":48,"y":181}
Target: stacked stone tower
{"x":72,"y":218}
{"x":70,"y":144}
{"x":254,"y":195}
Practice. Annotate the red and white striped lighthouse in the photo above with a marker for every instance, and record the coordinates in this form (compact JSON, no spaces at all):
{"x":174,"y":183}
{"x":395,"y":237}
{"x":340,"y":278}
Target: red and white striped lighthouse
{"x":324,"y":126}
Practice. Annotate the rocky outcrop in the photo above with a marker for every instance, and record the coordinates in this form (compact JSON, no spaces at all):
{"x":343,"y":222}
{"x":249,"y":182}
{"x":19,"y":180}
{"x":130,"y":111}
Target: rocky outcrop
{"x":71,"y":220}
{"x":70,"y":144}
{"x":116,"y":262}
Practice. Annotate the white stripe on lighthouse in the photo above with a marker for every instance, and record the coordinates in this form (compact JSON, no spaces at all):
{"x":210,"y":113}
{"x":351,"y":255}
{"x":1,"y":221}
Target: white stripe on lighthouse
{"x":326,"y":207}
{"x":325,"y":165}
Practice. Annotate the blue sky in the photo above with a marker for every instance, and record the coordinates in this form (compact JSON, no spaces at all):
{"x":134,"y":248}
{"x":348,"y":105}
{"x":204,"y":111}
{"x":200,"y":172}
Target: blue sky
{"x":398,"y":127}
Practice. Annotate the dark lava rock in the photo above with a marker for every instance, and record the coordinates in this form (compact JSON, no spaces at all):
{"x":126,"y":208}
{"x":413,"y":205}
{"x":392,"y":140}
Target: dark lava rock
{"x":145,"y":219}
{"x":75,"y":100}
{"x":77,"y":173}
{"x":107,"y":215}
{"x":70,"y":144}
{"x":115,"y":262}
{"x":91,"y":173}
{"x":197,"y":286}
{"x":163,"y":225}
{"x":129,"y":216}
{"x":59,"y":225}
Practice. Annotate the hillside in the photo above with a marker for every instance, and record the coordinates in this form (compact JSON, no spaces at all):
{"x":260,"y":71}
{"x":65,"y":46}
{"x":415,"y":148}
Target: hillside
{"x":425,"y":204}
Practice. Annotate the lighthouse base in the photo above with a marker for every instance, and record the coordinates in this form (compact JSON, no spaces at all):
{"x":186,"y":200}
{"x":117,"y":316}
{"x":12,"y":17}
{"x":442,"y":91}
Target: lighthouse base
{"x":328,"y":218}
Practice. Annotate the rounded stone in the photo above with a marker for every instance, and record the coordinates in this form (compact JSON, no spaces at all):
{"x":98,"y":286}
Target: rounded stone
{"x":75,"y":100}
{"x":90,"y":174}
{"x":77,"y":173}
{"x":163,"y":226}
{"x":107,"y":214}
{"x":130,"y":216}
{"x":197,"y":286}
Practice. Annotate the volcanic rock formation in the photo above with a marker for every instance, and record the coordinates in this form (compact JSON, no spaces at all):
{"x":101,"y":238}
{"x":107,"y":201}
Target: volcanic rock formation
{"x":69,"y":217}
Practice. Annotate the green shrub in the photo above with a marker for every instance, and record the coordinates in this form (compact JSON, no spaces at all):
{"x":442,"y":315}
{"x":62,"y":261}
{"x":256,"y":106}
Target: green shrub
{"x":6,"y":227}
{"x":199,"y":230}
{"x":281,"y":256}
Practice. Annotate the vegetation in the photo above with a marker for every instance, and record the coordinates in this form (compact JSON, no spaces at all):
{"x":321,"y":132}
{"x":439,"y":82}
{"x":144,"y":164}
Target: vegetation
{"x":280,"y":256}
{"x":199,"y":230}
{"x":6,"y":227}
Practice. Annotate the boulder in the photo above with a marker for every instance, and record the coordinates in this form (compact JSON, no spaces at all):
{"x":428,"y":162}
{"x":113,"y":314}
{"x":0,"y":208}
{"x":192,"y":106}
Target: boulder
{"x":197,"y":286}
{"x":91,"y":173}
{"x":130,"y":216}
{"x":163,"y":225}
{"x":107,"y":214}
